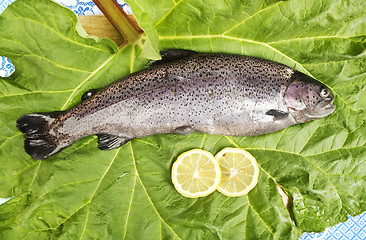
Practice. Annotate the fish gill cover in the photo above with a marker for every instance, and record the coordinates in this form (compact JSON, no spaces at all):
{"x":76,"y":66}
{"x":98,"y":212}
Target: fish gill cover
{"x":83,"y":192}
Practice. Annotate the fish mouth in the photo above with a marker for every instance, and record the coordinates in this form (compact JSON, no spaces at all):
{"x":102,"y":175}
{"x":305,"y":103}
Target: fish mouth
{"x":328,"y":102}
{"x":323,"y":109}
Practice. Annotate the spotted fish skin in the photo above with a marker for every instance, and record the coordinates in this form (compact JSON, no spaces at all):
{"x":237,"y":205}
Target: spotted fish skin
{"x":218,"y":94}
{"x":215,"y":94}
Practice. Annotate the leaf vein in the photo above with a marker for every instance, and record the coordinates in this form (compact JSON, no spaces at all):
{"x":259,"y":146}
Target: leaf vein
{"x":262,"y":220}
{"x":251,"y":16}
{"x":147,"y":194}
{"x":93,"y":195}
{"x":86,"y":79}
{"x":313,"y":37}
{"x":130,"y":204}
{"x":9,"y":139}
{"x":34,"y":92}
{"x":168,"y":13}
{"x":86,"y":223}
{"x":55,"y":63}
{"x":35,"y":175}
{"x":57,"y":33}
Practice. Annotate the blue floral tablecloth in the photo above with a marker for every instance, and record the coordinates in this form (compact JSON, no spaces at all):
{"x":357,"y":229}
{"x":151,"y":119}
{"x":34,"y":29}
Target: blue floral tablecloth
{"x":354,"y":228}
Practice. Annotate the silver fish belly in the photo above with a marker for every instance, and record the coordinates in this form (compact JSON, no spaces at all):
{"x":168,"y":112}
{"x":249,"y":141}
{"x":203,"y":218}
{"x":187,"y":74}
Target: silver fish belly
{"x":218,"y":94}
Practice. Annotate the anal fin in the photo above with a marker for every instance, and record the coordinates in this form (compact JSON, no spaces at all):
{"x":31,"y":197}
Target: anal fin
{"x":109,"y":141}
{"x":184,"y":130}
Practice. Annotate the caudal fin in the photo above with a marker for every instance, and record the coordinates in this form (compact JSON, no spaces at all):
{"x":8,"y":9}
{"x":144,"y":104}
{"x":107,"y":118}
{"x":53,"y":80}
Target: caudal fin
{"x":39,"y":143}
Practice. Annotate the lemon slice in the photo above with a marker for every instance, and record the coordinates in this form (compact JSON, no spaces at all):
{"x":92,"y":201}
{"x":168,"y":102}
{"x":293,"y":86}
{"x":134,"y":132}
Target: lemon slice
{"x":196,"y":173}
{"x":239,"y":171}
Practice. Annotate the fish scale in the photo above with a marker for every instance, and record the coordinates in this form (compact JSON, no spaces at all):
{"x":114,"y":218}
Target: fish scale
{"x":218,"y":94}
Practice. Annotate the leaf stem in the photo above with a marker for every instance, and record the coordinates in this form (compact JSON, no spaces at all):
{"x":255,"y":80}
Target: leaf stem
{"x":129,"y":30}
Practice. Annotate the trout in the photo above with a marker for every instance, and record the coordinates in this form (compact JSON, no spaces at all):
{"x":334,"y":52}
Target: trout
{"x":185,"y":92}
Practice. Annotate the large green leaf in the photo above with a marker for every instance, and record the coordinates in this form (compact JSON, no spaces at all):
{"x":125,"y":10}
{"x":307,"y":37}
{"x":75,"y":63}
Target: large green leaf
{"x":83,"y":192}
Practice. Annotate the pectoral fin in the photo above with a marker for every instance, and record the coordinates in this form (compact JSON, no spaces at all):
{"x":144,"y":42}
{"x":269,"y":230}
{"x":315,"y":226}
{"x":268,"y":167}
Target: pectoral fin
{"x":109,"y":142}
{"x":277,"y":114}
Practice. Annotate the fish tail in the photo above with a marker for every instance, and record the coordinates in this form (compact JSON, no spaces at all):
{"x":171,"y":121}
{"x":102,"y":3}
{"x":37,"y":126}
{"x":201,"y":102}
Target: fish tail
{"x":39,"y":142}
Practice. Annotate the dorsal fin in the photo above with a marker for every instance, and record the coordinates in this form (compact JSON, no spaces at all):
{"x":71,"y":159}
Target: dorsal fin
{"x":171,"y":54}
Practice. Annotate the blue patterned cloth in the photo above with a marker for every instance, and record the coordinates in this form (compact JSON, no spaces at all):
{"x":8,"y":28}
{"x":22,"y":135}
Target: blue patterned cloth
{"x":87,"y":7}
{"x":354,"y":228}
{"x":6,"y":67}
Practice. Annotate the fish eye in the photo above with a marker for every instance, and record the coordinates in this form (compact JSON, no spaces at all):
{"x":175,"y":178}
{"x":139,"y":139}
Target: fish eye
{"x":324,"y":93}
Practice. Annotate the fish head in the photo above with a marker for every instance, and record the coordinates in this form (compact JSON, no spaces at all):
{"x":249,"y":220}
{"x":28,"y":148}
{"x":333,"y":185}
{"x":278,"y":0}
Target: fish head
{"x":308,"y":99}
